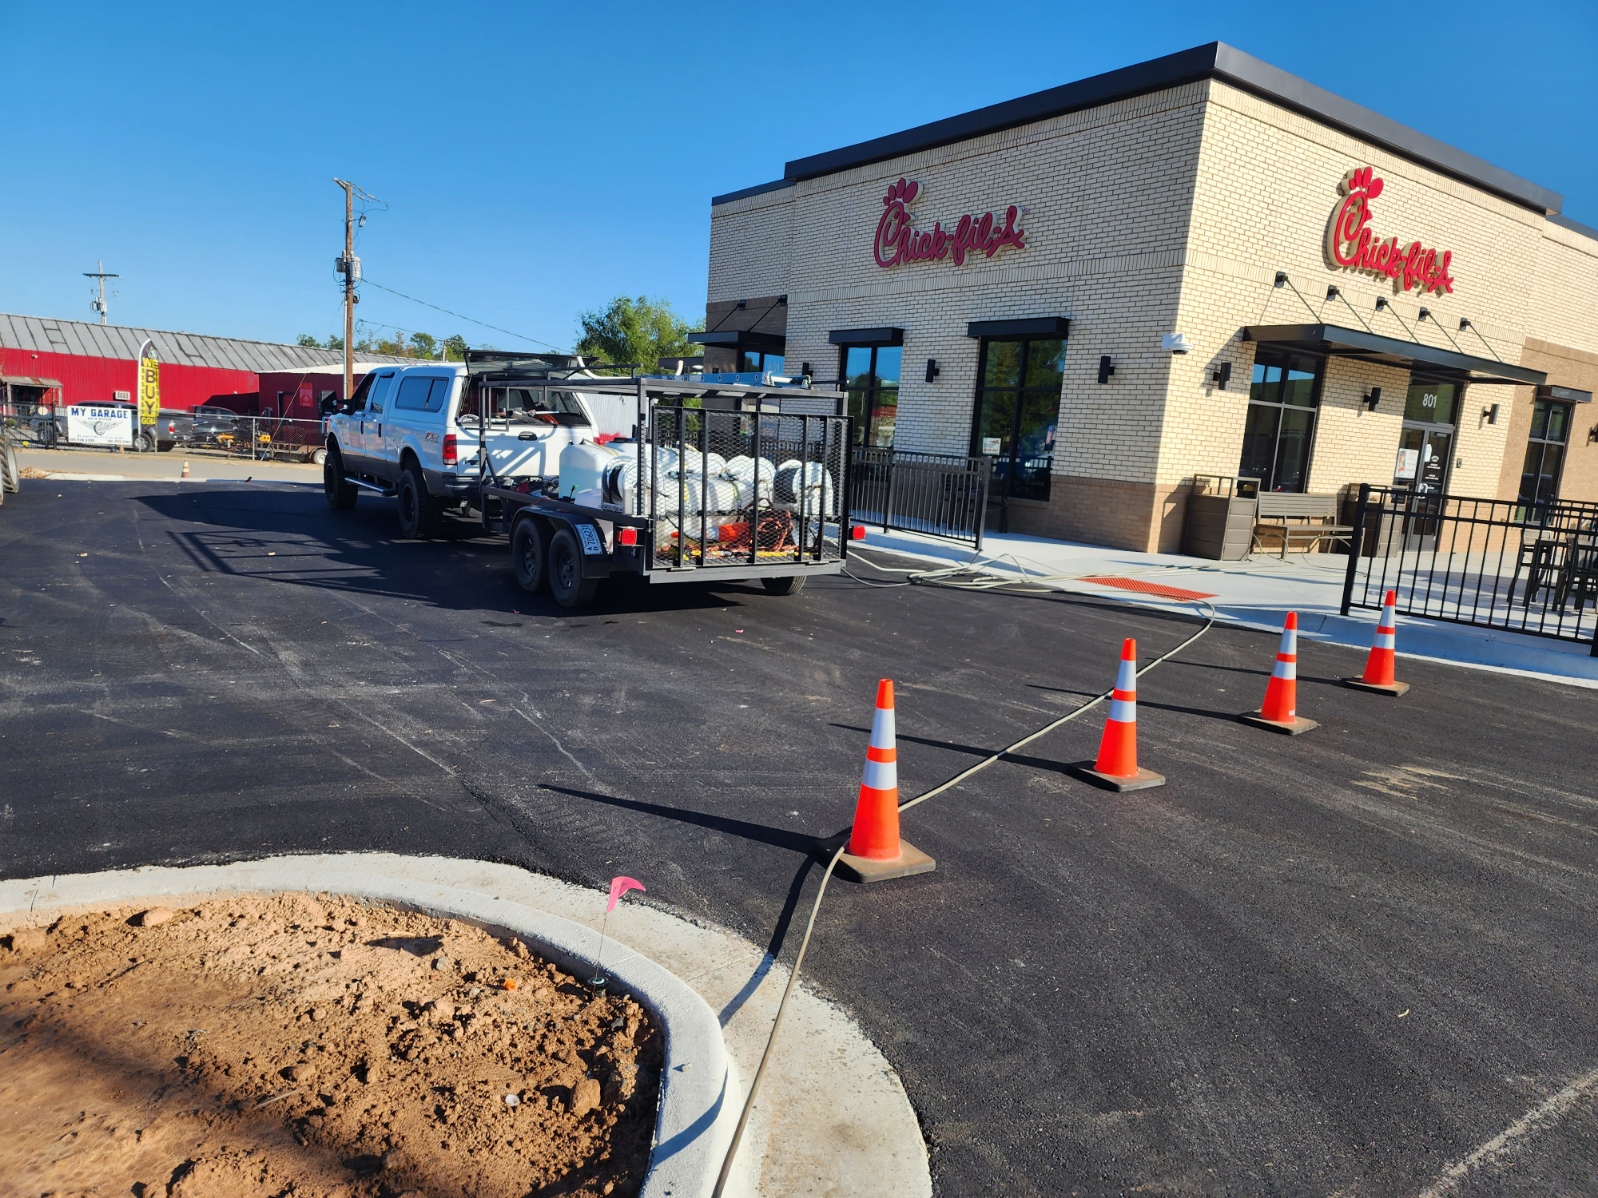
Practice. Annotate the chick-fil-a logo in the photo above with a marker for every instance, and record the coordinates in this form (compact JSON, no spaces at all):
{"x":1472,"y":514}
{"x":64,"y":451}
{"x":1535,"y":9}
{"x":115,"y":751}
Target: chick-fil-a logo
{"x":1350,"y":242}
{"x":898,"y":242}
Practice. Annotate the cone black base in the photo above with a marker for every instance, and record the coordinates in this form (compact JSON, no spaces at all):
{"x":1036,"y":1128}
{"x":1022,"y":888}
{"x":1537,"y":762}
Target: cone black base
{"x":908,"y":863}
{"x":1286,"y":729}
{"x":1393,"y":688}
{"x":1141,"y":780}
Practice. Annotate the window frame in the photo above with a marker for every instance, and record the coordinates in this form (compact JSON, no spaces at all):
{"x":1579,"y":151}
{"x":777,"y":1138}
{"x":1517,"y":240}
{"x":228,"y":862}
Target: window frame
{"x":1005,"y":466}
{"x":1542,"y":443}
{"x":866,"y":428}
{"x":1286,"y":361}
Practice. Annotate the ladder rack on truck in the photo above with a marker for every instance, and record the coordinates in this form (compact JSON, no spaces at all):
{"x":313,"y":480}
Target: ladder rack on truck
{"x":718,"y":481}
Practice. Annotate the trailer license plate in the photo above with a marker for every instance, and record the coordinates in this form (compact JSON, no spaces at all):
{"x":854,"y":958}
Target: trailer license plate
{"x":592,"y":545}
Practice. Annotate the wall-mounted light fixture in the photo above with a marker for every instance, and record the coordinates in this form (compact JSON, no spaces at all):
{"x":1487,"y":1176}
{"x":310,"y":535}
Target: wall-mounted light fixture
{"x":1176,"y":343}
{"x":1332,"y":292}
{"x":1425,"y":314}
{"x":1490,"y":414}
{"x":1106,"y":368}
{"x":932,"y":369}
{"x":1381,"y":303}
{"x":1372,"y":399}
{"x":1592,"y":434}
{"x":1222,"y":375}
{"x":1281,"y":279}
{"x":1464,"y":323}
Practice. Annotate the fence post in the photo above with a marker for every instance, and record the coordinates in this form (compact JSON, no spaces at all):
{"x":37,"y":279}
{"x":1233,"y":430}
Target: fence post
{"x":982,"y":503}
{"x":1355,"y":544}
{"x":887,"y":501}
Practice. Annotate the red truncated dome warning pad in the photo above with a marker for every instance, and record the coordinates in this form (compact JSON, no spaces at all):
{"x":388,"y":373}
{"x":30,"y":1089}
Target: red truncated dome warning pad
{"x":1145,"y":588}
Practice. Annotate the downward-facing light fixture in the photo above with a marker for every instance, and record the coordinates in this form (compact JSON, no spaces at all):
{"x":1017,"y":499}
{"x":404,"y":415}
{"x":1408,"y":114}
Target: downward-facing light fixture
{"x":1372,"y":399}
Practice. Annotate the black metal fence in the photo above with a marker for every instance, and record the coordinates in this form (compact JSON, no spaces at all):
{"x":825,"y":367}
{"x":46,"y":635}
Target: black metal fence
{"x":945,"y":495}
{"x":1491,"y":563}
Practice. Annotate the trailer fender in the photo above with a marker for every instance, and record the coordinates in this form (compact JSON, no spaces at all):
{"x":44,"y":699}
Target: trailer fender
{"x":596,"y":556}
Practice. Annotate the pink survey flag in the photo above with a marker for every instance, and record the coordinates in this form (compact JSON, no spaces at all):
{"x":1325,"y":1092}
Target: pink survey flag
{"x":619,"y":887}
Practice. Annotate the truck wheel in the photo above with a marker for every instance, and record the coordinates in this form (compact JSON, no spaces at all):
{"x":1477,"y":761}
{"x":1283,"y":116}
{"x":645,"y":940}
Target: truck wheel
{"x":10,"y":476}
{"x":418,"y":511}
{"x":336,"y":486}
{"x":528,"y":555}
{"x":146,"y":443}
{"x":791,"y":584}
{"x":566,"y":581}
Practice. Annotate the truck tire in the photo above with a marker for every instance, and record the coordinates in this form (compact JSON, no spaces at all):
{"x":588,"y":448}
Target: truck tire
{"x":336,"y":485}
{"x":566,"y":581}
{"x":10,"y":475}
{"x":418,"y":511}
{"x":146,"y":443}
{"x":790,"y":584}
{"x":529,"y":556}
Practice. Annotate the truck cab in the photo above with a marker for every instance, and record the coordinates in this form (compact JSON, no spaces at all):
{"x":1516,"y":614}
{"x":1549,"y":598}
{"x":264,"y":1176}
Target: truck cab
{"x":426,"y":434}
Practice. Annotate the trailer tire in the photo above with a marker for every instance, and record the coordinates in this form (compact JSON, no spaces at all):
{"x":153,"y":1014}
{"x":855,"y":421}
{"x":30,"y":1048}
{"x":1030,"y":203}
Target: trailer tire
{"x":340,"y":492}
{"x":318,"y":455}
{"x":418,"y":511}
{"x":529,"y":556}
{"x":789,"y":584}
{"x":10,"y":476}
{"x":566,"y":581}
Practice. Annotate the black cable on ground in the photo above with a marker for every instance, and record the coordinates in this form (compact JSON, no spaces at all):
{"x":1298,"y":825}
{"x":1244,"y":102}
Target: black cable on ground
{"x":810,"y":924}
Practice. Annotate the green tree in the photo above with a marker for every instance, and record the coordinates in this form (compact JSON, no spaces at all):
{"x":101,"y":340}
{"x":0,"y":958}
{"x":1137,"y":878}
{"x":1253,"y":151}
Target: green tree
{"x":640,"y":331}
{"x":455,"y":348}
{"x":334,"y":341}
{"x":424,"y":345}
{"x":308,"y":341}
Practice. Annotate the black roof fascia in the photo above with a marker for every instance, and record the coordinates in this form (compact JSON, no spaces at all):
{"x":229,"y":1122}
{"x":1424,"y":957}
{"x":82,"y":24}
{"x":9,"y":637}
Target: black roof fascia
{"x":1564,"y":222}
{"x":1568,"y":394}
{"x":878,"y":336}
{"x":1043,"y":326}
{"x":745,"y":192}
{"x":740,"y":339}
{"x":1337,"y":342}
{"x":1216,"y":60}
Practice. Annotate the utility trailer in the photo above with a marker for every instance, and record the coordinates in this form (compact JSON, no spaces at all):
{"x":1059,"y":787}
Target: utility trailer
{"x":719,"y":482}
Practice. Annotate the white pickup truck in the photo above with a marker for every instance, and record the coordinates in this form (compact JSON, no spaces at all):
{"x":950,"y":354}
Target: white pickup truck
{"x":417,"y":432}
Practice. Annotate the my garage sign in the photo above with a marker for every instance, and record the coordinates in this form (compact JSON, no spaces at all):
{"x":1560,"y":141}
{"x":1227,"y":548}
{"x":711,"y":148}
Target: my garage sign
{"x":899,"y":241}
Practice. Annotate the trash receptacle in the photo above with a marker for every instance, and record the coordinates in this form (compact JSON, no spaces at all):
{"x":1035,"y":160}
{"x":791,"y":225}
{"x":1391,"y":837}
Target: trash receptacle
{"x":1221,"y":512}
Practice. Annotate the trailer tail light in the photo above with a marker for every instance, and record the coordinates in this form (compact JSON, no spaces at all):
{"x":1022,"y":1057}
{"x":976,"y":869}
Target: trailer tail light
{"x":626,"y":536}
{"x":857,"y":532}
{"x":451,"y":450}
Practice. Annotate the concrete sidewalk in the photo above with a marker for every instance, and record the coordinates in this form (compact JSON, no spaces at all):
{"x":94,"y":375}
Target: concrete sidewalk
{"x":105,"y":465}
{"x":1256,"y":593}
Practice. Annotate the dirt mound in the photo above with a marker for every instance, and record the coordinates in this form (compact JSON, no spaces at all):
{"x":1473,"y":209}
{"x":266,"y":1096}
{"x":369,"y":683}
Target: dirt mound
{"x":315,"y":1047}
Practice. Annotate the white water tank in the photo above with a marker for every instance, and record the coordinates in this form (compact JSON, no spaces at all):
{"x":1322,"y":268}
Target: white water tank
{"x":582,"y":467}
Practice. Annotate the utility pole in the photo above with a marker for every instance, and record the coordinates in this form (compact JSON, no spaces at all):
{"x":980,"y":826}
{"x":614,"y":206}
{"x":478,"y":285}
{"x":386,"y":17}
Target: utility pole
{"x":350,"y":267}
{"x":99,"y":304}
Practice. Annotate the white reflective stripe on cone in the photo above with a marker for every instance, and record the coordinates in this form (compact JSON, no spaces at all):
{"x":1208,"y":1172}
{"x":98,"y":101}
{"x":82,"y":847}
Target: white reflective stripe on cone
{"x":1123,"y":711}
{"x":1289,"y":641}
{"x":1285,"y":669}
{"x":1126,"y":679}
{"x":880,"y":775}
{"x":882,"y":729}
{"x":1386,"y":640}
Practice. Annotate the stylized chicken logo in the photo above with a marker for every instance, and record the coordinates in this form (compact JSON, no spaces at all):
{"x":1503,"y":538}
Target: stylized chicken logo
{"x":1363,"y":180}
{"x":902,"y":192}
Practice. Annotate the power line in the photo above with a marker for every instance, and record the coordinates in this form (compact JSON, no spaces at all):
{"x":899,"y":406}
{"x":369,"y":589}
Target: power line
{"x":467,"y":319}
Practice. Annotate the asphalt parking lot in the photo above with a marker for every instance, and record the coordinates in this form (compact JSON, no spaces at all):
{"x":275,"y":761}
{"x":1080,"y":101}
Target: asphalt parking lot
{"x":1335,"y":963}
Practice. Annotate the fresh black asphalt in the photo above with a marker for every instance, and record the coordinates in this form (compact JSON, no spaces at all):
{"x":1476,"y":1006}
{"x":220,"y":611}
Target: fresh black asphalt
{"x":1327,"y":964}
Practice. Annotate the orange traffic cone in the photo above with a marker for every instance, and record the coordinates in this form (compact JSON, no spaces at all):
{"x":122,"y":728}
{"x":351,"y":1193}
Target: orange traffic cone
{"x":1379,"y":666}
{"x":875,"y":852}
{"x":1280,"y":710}
{"x":1116,"y":766}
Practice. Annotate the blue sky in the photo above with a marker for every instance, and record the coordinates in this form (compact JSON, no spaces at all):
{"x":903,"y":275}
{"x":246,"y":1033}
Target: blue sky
{"x":538,"y":159}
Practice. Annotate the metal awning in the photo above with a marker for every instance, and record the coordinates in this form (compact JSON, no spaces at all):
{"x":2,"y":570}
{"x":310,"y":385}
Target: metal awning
{"x":1442,"y":365}
{"x":22,"y":380}
{"x":741,"y":339}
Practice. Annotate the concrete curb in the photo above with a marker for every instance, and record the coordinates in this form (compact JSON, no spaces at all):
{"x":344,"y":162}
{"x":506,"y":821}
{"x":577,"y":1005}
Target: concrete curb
{"x":1431,"y":640}
{"x":700,"y":1091}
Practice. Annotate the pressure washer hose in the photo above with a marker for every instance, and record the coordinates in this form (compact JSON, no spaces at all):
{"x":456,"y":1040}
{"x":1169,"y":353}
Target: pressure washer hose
{"x":810,"y":924}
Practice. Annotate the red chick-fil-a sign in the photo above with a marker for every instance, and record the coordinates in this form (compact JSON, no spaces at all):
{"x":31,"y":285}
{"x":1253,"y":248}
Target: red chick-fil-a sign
{"x":1351,"y":243}
{"x":898,"y":241}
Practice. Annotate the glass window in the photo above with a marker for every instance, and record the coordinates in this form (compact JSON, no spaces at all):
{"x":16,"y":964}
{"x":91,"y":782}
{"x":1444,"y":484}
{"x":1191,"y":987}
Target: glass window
{"x":1017,"y":412}
{"x":413,"y":393}
{"x":751,"y":361}
{"x":871,"y":380}
{"x":1431,"y":403}
{"x":378,"y":395}
{"x":1545,"y":453}
{"x":1279,"y":430}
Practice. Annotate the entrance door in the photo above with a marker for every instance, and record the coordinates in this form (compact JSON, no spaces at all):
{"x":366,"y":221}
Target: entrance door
{"x":1425,"y":450}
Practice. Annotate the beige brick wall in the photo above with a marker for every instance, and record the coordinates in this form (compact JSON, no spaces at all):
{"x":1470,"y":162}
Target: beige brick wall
{"x":1169,"y":212}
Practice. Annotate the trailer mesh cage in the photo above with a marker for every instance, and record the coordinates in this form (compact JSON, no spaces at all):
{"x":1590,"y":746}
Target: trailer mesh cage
{"x":737,"y":488}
